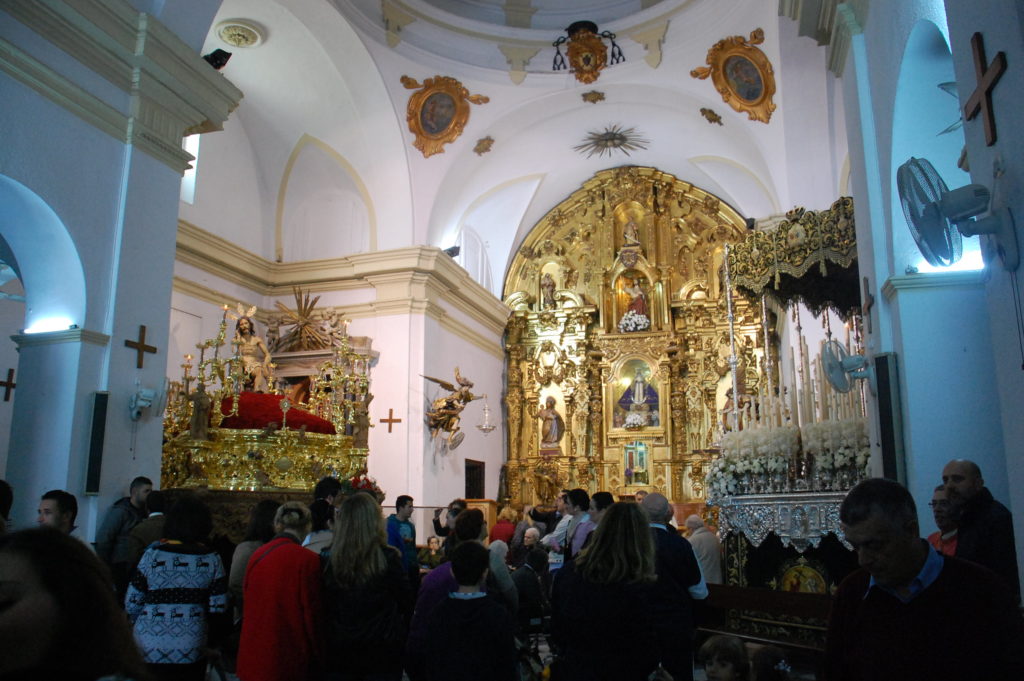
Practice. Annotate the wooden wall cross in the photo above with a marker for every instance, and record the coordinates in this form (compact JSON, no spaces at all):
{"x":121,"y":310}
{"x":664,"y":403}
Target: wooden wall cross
{"x":866,"y":305}
{"x":391,"y":420}
{"x":140,"y":347}
{"x":981,"y":99}
{"x":8,"y":385}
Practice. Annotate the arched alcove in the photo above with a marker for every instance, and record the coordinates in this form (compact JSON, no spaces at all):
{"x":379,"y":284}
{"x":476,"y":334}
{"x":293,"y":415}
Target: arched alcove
{"x":324,"y":209}
{"x":922,"y":111}
{"x":48,"y":262}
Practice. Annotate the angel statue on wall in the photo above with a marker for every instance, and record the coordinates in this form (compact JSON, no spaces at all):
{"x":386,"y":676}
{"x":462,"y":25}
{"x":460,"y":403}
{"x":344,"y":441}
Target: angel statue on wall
{"x":444,"y":412}
{"x":256,"y":366}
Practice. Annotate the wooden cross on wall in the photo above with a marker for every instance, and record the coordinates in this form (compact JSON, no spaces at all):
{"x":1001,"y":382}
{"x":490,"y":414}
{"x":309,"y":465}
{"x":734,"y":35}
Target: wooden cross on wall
{"x":866,"y":305}
{"x":8,"y":385}
{"x":391,"y":420}
{"x":988,"y":75}
{"x":140,"y":347}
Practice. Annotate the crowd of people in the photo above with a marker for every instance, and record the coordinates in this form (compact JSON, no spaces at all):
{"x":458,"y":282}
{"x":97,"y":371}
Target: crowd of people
{"x":340,"y":590}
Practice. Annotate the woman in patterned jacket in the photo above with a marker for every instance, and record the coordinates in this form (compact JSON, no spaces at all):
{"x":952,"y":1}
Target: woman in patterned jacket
{"x":179,"y":583}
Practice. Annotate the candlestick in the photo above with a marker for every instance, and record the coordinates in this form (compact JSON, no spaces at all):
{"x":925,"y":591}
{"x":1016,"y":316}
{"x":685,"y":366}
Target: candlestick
{"x":732,"y":343}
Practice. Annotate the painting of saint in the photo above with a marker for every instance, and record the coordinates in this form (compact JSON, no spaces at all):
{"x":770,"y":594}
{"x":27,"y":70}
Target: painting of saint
{"x":437,"y":113}
{"x":744,"y":78}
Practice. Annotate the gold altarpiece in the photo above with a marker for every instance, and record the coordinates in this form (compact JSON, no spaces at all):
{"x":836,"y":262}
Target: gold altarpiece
{"x":619,"y":315}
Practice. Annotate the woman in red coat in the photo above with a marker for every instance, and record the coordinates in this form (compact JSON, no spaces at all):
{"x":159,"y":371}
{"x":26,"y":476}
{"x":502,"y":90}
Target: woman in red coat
{"x":283,"y":624}
{"x":506,"y":525}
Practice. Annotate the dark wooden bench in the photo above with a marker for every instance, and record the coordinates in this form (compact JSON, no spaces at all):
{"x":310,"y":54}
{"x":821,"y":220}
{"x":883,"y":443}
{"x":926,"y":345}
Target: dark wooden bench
{"x":795,"y":622}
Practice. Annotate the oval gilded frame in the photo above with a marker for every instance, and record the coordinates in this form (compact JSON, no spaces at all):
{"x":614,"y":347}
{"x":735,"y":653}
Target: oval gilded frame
{"x":733,"y":60}
{"x":437,"y":112}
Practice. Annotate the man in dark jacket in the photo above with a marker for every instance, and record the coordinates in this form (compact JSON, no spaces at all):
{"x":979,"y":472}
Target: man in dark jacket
{"x":112,"y":538}
{"x":985,"y":534}
{"x":679,"y":583}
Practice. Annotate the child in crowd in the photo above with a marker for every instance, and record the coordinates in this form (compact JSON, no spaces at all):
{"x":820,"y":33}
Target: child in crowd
{"x":725,"y":659}
{"x":431,"y":556}
{"x":769,"y":663}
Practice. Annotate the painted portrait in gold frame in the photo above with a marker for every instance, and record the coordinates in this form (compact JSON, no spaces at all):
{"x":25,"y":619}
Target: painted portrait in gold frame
{"x":438,"y":111}
{"x":742,"y":74}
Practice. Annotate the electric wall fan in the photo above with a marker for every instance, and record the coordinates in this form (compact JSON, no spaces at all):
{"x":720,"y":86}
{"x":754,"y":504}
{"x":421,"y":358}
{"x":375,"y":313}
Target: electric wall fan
{"x":842,"y":369}
{"x":938,"y":217}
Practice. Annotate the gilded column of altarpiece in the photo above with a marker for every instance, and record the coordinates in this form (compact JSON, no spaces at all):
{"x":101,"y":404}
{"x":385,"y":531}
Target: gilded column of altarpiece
{"x":618,"y":342}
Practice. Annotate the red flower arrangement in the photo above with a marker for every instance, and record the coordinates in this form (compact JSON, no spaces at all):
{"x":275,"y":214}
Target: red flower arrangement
{"x":362,"y":483}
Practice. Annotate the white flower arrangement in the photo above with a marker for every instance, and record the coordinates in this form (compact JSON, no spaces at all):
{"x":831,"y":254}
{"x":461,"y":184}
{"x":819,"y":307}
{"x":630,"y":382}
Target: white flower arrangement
{"x":633,"y":321}
{"x":635,"y":419}
{"x":761,"y":454}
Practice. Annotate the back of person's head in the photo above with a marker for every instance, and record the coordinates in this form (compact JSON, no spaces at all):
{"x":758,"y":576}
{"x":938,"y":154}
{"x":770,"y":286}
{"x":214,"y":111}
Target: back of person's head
{"x":66,"y":503}
{"x":728,"y":650}
{"x":322,"y":513}
{"x":327,"y":487}
{"x":359,"y":536}
{"x":469,"y":524}
{"x":87,"y":635}
{"x":885,"y":497}
{"x":508,"y":513}
{"x":657,"y":507}
{"x":601,"y":500}
{"x":768,"y":663}
{"x":188,"y":520}
{"x":139,"y":482}
{"x":579,"y":498}
{"x":694,"y":522}
{"x":621,"y":549}
{"x":537,"y":559}
{"x":457,"y":506}
{"x":261,"y":521}
{"x":156,"y":502}
{"x":469,"y":563}
{"x":293,"y":517}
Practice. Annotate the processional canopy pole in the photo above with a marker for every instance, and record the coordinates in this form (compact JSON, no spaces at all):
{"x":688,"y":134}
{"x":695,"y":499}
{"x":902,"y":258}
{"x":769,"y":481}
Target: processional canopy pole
{"x":733,"y":360}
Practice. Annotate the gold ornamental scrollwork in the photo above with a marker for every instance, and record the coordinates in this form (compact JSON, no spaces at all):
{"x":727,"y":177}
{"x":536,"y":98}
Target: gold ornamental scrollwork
{"x":742,"y":74}
{"x":438,"y":111}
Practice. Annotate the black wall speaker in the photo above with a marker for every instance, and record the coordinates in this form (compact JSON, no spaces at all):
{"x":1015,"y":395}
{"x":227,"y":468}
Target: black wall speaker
{"x":890,"y":417}
{"x":99,"y":430}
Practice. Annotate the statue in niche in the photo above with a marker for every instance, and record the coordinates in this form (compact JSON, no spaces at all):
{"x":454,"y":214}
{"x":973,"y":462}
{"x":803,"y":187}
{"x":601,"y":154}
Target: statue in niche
{"x":552,"y":426}
{"x":547,"y":291}
{"x":638,"y":403}
{"x":631,"y":234}
{"x":637,"y":314}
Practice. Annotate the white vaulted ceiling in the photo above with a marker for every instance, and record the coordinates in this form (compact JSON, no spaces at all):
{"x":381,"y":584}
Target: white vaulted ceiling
{"x":330,"y":71}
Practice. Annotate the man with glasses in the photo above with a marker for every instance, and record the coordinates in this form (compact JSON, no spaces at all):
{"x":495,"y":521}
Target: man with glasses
{"x":944,"y":540}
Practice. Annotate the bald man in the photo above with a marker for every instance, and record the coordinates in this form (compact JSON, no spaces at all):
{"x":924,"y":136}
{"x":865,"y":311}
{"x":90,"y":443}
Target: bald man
{"x":985,"y":533}
{"x":707,"y":548}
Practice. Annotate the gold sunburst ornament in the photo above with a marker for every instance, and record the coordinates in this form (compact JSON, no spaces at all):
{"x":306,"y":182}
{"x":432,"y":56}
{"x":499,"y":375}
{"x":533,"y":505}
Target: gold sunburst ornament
{"x":611,"y":139}
{"x":305,"y":334}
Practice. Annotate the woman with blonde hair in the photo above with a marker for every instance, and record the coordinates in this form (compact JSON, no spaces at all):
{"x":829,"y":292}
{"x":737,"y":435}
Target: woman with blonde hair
{"x":505,"y":527}
{"x":368,"y":596}
{"x":283,"y":625}
{"x":611,"y":582}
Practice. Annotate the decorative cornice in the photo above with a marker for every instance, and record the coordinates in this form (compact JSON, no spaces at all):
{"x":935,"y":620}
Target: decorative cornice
{"x":833,"y":23}
{"x":173,"y":91}
{"x":23,"y":340}
{"x":406,"y":281}
{"x":933,"y":280}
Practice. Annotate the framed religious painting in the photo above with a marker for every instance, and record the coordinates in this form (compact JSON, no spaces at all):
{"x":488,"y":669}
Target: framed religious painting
{"x":438,"y":111}
{"x":742,"y":74}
